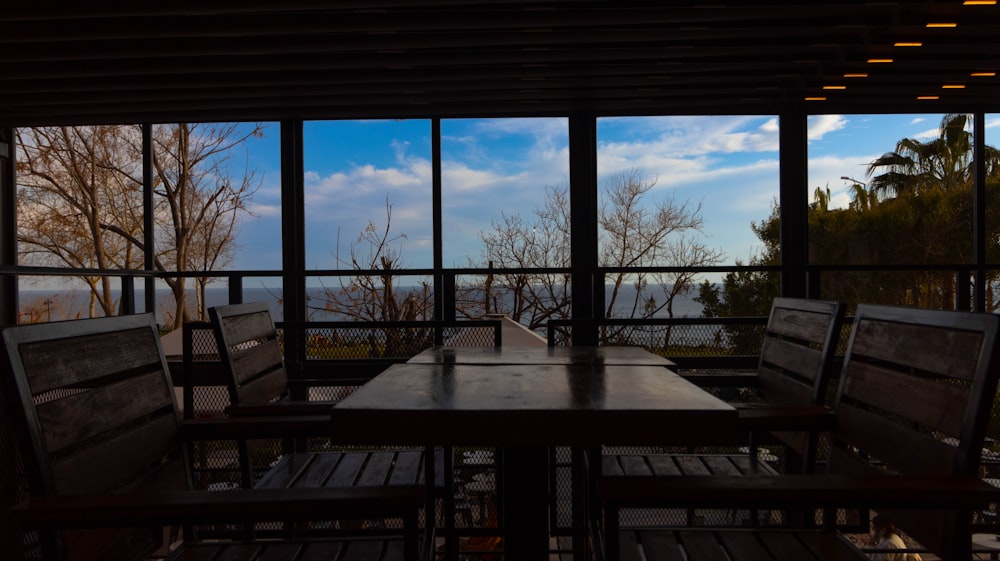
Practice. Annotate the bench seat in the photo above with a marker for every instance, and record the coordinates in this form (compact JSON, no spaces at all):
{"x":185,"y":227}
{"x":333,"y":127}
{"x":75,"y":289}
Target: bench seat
{"x":682,"y":464}
{"x":107,"y":471}
{"x":350,"y":469}
{"x":912,"y":408}
{"x":739,"y":545}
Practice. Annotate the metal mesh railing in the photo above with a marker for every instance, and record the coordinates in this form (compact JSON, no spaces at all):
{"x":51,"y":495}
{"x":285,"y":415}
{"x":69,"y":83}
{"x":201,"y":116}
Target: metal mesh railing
{"x":389,"y":340}
{"x":15,"y":544}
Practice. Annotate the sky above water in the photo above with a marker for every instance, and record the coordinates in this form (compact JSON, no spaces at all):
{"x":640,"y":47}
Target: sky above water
{"x":491,"y":168}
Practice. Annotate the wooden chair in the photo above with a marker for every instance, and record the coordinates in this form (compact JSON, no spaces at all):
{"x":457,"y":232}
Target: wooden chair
{"x":790,"y":386}
{"x":249,"y":347}
{"x":106,"y":452}
{"x":916,"y":390}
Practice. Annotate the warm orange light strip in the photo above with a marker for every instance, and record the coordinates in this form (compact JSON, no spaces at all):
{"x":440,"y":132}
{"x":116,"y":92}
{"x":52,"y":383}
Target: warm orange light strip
{"x":953,"y":86}
{"x":942,"y":24}
{"x":908,"y":44}
{"x":928,"y":97}
{"x":879,"y":60}
{"x":856,"y":75}
{"x":834,"y":87}
{"x":816,"y":98}
{"x":983,"y":74}
{"x":979,"y":2}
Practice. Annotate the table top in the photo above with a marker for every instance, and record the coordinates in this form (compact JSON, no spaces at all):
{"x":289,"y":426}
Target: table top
{"x":988,"y":542}
{"x":540,"y":355}
{"x":528,"y":405}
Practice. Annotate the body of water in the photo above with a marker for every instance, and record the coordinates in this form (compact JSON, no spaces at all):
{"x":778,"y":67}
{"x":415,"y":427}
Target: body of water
{"x":53,"y":305}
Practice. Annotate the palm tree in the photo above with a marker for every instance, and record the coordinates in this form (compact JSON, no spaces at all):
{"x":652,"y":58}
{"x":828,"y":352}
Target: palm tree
{"x":943,"y":163}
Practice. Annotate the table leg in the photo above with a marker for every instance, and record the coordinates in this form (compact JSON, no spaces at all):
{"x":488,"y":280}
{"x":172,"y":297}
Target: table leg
{"x":525,"y":504}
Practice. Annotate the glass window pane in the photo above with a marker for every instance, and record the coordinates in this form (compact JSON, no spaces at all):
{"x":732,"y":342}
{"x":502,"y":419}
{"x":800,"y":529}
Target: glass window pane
{"x":368,"y":194}
{"x":505,"y":199}
{"x":505,"y":192}
{"x":891,"y":190}
{"x":681,"y":192}
{"x":207,"y":177}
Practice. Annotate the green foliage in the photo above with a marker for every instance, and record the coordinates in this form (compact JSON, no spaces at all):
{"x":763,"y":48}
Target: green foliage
{"x":916,"y":210}
{"x":747,"y":293}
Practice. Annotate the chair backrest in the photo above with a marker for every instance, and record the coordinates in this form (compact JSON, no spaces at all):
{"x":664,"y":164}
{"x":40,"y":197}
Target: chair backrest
{"x":250,"y":351}
{"x":799,"y":344}
{"x":915,"y":396}
{"x":795,"y":365}
{"x":96,"y":412}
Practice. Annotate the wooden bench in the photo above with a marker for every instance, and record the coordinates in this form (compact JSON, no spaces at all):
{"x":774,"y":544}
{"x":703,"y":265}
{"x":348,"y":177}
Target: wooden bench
{"x":916,"y":390}
{"x":106,"y":452}
{"x":790,"y":386}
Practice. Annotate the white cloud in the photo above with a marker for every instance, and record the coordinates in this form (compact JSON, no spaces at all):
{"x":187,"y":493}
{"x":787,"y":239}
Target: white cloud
{"x":818,"y":126}
{"x":827,"y":173}
{"x":459,"y":177}
{"x":686,"y":137}
{"x":265,"y":210}
{"x":840,"y":200}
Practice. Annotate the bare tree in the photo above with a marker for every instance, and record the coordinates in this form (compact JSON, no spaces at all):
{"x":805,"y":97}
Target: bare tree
{"x":517,"y":244}
{"x":372,"y":294}
{"x":634,"y":233}
{"x":637,"y":234}
{"x":199,"y":197}
{"x":81,"y":200}
{"x":75,"y":182}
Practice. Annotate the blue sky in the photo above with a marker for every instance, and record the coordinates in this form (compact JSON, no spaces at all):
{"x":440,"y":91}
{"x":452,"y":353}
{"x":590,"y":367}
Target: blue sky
{"x":489,"y":166}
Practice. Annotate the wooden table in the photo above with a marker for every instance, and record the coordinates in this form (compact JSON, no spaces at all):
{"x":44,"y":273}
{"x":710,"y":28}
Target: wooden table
{"x":540,"y":355}
{"x":986,"y":543}
{"x":527,"y":408}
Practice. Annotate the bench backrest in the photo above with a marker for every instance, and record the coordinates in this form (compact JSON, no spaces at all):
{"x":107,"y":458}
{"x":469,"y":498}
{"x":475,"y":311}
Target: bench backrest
{"x":796,"y":357}
{"x":96,"y":412}
{"x":915,"y":395}
{"x":249,"y":347}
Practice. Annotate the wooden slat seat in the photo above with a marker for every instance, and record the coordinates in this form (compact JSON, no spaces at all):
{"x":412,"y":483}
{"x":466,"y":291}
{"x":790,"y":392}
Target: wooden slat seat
{"x":682,"y":464}
{"x":729,"y":545}
{"x":106,"y":453}
{"x":915,"y":394}
{"x":349,"y":469}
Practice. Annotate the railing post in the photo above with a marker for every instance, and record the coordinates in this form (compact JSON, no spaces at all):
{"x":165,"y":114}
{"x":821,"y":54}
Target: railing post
{"x":448,"y":302}
{"x":813,"y":286}
{"x":963,"y":289}
{"x":126,"y":305}
{"x":235,"y":289}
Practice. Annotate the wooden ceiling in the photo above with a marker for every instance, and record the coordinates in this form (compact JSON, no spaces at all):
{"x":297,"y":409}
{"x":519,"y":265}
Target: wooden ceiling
{"x":199,"y":60}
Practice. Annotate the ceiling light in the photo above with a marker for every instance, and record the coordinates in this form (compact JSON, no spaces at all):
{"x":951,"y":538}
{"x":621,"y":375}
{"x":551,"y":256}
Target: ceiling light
{"x":942,"y":24}
{"x":816,"y":98}
{"x":907,"y":44}
{"x":980,"y":2}
{"x":834,"y":87}
{"x":879,"y":60}
{"x":953,"y":86}
{"x":983,"y":74}
{"x":856,"y":75}
{"x":928,"y":97}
